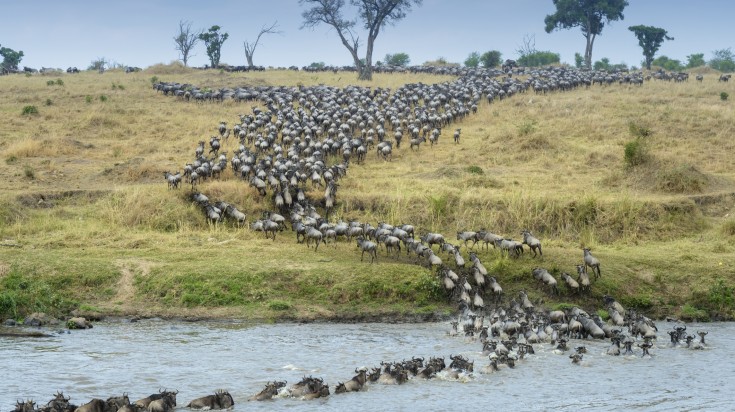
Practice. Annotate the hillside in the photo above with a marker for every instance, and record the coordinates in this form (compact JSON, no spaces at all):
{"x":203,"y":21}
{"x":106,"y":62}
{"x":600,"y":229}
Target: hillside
{"x":87,"y":221}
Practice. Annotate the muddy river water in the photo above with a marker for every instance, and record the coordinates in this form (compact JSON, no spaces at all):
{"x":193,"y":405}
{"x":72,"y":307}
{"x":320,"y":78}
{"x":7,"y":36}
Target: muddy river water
{"x":198,"y":358}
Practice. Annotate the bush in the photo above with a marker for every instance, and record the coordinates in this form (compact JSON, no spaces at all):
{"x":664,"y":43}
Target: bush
{"x":724,"y":96}
{"x":59,"y":82}
{"x":722,"y":296}
{"x":477,"y":170}
{"x":88,"y":99}
{"x":154,"y":79}
{"x":639,"y":131}
{"x":50,"y":82}
{"x":691,"y":313}
{"x":636,"y":152}
{"x":29,"y":110}
{"x":526,"y":128}
{"x":539,"y":58}
{"x":279,"y":305}
{"x":29,"y":172}
{"x":681,"y":179}
{"x":49,"y":102}
{"x":728,"y":228}
{"x":103,"y":98}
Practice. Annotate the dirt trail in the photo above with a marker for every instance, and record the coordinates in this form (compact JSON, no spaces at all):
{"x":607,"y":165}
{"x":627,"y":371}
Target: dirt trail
{"x":125,"y":286}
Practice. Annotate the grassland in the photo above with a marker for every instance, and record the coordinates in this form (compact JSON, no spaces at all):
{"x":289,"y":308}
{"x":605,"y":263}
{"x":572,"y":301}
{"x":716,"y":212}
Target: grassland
{"x":86,"y":220}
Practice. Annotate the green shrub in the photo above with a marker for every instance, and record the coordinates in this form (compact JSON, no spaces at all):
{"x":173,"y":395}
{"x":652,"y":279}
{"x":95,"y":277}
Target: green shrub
{"x":88,"y":99}
{"x":21,"y":294}
{"x":103,"y":98}
{"x":692,"y":313}
{"x":474,"y":169}
{"x":50,"y":82}
{"x":29,"y":110}
{"x":154,"y":79}
{"x":722,"y":296}
{"x":724,"y":96}
{"x":636,"y":152}
{"x":637,"y":130}
{"x":681,"y":179}
{"x":49,"y":102}
{"x":59,"y":82}
{"x":29,"y":172}
{"x":526,"y":128}
{"x":728,"y":227}
{"x":279,"y":305}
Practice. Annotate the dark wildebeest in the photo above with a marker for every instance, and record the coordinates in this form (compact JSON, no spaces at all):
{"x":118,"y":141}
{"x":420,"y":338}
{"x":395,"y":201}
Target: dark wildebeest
{"x":220,"y":400}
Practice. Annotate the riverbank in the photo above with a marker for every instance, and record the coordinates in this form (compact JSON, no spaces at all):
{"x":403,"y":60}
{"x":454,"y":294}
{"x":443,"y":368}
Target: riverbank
{"x":88,"y":222}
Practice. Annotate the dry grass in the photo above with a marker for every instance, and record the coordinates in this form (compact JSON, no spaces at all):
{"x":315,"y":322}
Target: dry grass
{"x":549,"y":163}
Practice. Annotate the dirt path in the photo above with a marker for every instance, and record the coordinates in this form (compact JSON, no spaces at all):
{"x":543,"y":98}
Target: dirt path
{"x":126,"y":285}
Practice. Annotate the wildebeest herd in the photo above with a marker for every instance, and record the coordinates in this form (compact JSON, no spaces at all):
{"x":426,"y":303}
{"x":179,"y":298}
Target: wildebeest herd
{"x":305,"y":138}
{"x":302,"y":140}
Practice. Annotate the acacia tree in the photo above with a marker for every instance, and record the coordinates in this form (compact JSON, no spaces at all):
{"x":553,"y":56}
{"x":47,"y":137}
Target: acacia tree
{"x":723,"y":60}
{"x":373,"y":15}
{"x":473,"y":60}
{"x":650,"y":39}
{"x":186,"y":40}
{"x":11,"y":59}
{"x":250,"y":47}
{"x":588,"y":15}
{"x":491,"y":58}
{"x":398,"y":59}
{"x":213,"y":39}
{"x":695,"y":60}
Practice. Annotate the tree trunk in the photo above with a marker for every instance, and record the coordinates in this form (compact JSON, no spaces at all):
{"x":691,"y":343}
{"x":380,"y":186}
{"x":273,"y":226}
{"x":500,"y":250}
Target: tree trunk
{"x":249,"y":57}
{"x":367,"y":71}
{"x":588,"y":50}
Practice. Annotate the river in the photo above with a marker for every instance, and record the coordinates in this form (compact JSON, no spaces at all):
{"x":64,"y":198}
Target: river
{"x":198,"y":358}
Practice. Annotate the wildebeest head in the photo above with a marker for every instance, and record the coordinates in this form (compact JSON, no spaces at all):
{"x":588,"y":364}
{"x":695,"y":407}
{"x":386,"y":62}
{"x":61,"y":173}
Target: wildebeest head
{"x":224,"y":399}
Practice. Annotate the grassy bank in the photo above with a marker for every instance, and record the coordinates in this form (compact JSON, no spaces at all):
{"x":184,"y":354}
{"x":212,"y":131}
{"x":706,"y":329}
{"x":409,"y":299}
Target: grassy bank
{"x":86,"y":220}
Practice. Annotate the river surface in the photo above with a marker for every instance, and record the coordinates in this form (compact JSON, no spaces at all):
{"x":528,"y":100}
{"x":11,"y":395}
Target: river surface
{"x":198,"y":358}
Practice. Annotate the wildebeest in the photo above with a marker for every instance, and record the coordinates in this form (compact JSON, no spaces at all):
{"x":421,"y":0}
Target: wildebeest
{"x":583,"y":278}
{"x":220,"y":400}
{"x":533,"y":243}
{"x":172,"y":179}
{"x":367,"y":246}
{"x":592,"y":262}
{"x":270,"y":390}
{"x":467,"y":236}
{"x":353,"y":385}
{"x":166,"y":403}
{"x":27,"y":406}
{"x":543,"y":275}
{"x":96,"y":405}
{"x":572,"y":284}
{"x":60,"y":403}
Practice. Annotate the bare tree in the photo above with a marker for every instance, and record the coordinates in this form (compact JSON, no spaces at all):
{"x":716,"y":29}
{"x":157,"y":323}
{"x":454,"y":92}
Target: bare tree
{"x":250,"y":48}
{"x":374,"y":14}
{"x":529,"y":45}
{"x":186,"y":40}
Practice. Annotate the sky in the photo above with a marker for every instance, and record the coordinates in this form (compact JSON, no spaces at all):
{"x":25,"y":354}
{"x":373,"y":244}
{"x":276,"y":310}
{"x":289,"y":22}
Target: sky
{"x":64,"y":33}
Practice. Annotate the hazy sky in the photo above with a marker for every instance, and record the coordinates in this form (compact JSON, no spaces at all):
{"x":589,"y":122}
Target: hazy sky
{"x":63,"y":33}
